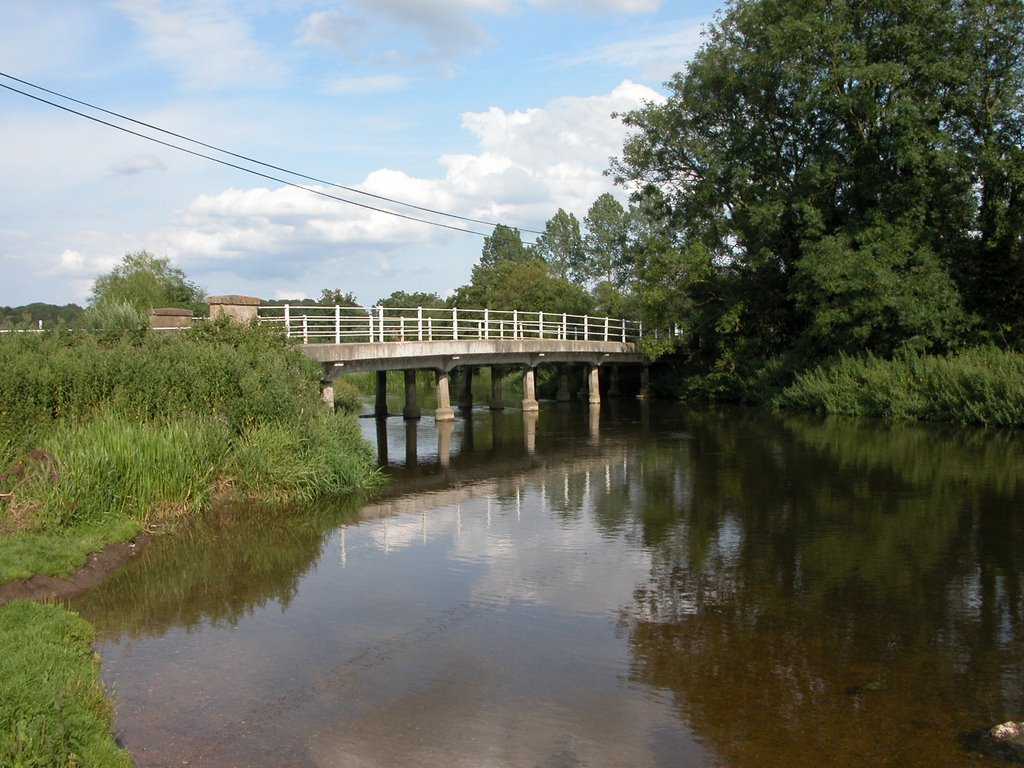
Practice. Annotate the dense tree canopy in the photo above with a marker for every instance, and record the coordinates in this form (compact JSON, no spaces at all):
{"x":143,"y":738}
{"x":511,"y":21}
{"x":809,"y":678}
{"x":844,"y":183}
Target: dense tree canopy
{"x":833,"y":175}
{"x":144,"y":281}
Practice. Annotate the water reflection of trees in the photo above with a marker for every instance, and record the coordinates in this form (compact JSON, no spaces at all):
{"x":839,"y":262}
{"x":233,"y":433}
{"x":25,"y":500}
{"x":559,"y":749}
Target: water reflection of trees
{"x":218,"y":571}
{"x":828,"y":592}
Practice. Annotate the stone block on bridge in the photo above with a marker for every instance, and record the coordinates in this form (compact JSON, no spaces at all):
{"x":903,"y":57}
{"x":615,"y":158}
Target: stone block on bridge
{"x":170,"y":318}
{"x":242,"y":309}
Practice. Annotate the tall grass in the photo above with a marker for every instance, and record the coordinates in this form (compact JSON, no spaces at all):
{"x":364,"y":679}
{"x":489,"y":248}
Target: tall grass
{"x":977,"y":386}
{"x":114,"y":431}
{"x":322,"y":455}
{"x":110,"y":468}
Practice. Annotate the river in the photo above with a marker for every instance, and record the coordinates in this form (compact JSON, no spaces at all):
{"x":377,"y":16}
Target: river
{"x":647,"y":585}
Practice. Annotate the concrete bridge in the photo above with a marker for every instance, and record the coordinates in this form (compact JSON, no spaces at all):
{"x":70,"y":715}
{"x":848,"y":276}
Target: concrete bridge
{"x":353,"y":339}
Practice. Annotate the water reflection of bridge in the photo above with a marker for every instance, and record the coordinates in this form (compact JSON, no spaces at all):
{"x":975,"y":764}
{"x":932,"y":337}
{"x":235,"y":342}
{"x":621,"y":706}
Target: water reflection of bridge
{"x":467,"y":473}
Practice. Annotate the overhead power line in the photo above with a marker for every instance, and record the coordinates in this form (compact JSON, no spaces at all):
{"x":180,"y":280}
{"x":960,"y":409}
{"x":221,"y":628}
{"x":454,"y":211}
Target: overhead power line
{"x":247,"y":159}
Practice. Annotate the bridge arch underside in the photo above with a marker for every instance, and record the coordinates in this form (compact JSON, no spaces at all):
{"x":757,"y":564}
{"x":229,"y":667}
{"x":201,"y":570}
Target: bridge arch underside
{"x":445,"y":356}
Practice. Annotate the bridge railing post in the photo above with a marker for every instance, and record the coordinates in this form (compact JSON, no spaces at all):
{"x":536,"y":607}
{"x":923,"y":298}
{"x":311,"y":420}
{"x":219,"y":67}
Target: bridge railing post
{"x":487,"y":324}
{"x":565,"y":326}
{"x":515,"y":324}
{"x":419,"y":323}
{"x":606,"y":329}
{"x":540,"y":325}
{"x":586,"y":328}
{"x":305,"y":329}
{"x":287,"y":321}
{"x":380,"y":322}
{"x":337,"y":324}
{"x":455,"y":323}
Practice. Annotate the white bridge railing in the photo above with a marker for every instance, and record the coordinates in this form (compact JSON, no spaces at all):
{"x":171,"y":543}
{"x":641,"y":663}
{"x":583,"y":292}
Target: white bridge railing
{"x":338,"y":325}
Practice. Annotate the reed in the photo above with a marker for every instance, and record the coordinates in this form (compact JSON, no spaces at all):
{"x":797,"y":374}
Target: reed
{"x":975,"y":386}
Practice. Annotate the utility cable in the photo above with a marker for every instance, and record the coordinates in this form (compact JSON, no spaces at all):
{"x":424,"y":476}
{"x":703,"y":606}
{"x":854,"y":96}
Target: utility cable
{"x":250,"y":160}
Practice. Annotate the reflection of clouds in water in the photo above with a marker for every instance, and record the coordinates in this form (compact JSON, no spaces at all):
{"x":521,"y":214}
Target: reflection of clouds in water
{"x":569,"y":564}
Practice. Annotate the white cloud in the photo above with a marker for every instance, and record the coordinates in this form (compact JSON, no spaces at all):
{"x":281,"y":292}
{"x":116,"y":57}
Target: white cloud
{"x":528,"y":164}
{"x":71,"y":260}
{"x":362,"y":85}
{"x":208,"y":45}
{"x":657,"y":56}
{"x":599,"y":6}
{"x":401,"y":32}
{"x":137,"y":164}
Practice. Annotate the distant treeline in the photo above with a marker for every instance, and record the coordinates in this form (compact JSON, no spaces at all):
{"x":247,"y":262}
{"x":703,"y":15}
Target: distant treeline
{"x":50,"y":315}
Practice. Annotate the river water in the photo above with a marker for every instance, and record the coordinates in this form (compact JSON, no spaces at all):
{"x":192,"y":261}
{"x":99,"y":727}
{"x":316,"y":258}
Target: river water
{"x":648,"y":585}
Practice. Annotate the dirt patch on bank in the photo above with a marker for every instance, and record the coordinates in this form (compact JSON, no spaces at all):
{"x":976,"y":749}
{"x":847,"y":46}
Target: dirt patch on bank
{"x":97,"y":566}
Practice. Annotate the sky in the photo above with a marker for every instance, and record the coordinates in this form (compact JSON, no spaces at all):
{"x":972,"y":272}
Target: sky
{"x":495,"y":110}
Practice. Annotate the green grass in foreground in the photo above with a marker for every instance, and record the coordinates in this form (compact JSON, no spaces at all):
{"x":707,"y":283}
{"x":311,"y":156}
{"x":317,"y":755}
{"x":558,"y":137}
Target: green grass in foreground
{"x":53,"y":713}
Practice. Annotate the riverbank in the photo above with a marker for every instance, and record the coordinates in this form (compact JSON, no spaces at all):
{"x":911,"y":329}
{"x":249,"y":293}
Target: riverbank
{"x":110,"y":438}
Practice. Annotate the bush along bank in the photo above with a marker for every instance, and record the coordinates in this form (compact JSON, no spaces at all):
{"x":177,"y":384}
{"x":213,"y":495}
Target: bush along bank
{"x":983,"y":386}
{"x":104,"y":435}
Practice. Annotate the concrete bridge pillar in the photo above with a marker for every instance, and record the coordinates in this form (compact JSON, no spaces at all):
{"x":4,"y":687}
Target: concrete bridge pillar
{"x":594,"y":385}
{"x":497,"y":376}
{"x":613,"y":382}
{"x":645,"y":383}
{"x":411,"y":453}
{"x":563,"y":395}
{"x":327,"y":392}
{"x":530,"y":390}
{"x":444,"y":410}
{"x":466,"y":395}
{"x":380,"y":408}
{"x":412,"y":407}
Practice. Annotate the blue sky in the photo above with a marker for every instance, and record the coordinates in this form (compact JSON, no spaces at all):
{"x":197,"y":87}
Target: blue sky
{"x":497,"y":110}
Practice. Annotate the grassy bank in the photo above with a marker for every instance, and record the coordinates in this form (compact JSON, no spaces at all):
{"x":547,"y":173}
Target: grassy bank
{"x":103,"y":435}
{"x":107,"y":434}
{"x":982,"y":386}
{"x":53,"y":713}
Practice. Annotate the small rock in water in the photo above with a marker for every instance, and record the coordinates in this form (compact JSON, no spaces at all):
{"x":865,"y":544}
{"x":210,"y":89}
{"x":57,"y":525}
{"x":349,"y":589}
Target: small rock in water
{"x":1004,"y":741}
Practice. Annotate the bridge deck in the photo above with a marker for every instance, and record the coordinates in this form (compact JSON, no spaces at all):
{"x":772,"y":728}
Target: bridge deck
{"x":446,"y":355}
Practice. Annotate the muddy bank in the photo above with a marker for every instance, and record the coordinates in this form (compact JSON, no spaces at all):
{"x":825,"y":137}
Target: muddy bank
{"x":97,"y":566}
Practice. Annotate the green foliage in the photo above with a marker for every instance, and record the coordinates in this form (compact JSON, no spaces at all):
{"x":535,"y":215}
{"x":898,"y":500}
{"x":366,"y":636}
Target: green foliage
{"x":561,"y":245}
{"x":115,"y":315}
{"x":504,"y":244}
{"x":323,"y":455}
{"x":511,"y":276}
{"x":146,"y":281}
{"x":347,"y":397}
{"x":879,"y":291}
{"x":108,"y":432}
{"x":31,"y":315}
{"x":53,"y":713}
{"x":976,"y":386}
{"x":405,"y":300}
{"x":335,"y":297}
{"x":111,"y":468}
{"x":835,"y":176}
{"x":605,"y":243}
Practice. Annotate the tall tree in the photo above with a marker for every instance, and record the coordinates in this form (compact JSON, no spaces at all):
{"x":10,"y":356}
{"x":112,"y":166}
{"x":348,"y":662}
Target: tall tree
{"x":561,"y":244}
{"x":504,"y":244}
{"x":338,"y":298}
{"x":144,"y":281}
{"x":815,"y":152}
{"x":604,"y":243}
